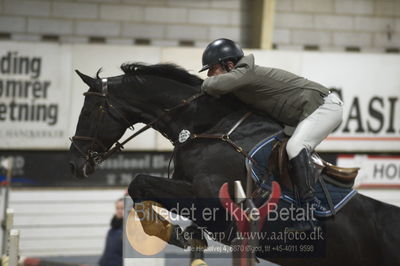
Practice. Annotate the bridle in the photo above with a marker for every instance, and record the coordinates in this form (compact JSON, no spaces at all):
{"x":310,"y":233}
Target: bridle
{"x":96,"y":157}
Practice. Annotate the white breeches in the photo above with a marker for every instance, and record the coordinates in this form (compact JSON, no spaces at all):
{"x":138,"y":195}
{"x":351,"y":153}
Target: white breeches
{"x":316,"y":127}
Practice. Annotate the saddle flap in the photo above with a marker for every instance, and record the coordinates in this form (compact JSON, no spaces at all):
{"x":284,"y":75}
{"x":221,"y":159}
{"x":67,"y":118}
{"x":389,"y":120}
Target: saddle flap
{"x":332,"y":190}
{"x":340,"y":174}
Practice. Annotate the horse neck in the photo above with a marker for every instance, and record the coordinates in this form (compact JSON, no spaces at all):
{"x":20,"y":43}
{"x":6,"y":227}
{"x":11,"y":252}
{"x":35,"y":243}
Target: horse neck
{"x":204,"y":113}
{"x":198,"y":116}
{"x":211,"y":111}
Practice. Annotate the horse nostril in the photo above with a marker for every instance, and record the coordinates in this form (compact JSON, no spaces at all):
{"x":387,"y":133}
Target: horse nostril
{"x":72,"y":168}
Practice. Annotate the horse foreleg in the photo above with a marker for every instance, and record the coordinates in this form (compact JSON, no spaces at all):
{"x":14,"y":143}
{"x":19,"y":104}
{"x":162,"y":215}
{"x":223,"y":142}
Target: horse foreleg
{"x":153,"y":223}
{"x":147,"y":191}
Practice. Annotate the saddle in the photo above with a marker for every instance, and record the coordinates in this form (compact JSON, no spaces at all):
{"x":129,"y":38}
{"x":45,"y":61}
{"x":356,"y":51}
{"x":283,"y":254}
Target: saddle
{"x":339,"y":176}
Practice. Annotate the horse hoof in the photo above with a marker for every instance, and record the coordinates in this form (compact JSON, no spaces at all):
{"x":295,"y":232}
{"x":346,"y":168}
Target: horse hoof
{"x":198,"y":262}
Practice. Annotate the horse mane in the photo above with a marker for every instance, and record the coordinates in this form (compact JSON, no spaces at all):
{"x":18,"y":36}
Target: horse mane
{"x":166,"y":70}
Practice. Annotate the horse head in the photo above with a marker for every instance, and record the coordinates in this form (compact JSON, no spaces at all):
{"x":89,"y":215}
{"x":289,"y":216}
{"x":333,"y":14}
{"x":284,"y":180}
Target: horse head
{"x":100,"y":123}
{"x":163,"y":96}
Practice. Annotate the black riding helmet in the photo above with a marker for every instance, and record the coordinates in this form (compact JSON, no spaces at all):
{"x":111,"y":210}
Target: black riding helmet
{"x":219,"y":51}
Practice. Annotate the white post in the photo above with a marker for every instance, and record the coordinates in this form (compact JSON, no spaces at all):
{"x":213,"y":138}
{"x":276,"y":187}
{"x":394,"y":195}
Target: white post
{"x":9,"y":222}
{"x":6,"y":164}
{"x":14,"y":247}
{"x":9,"y":219}
{"x":2,"y":218}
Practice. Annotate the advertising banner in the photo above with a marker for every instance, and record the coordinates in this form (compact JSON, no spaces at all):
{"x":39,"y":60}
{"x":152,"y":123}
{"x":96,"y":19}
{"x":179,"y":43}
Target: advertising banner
{"x":369,"y":85}
{"x":376,"y":171}
{"x":34,"y":95}
{"x":51,"y":169}
{"x":40,"y":97}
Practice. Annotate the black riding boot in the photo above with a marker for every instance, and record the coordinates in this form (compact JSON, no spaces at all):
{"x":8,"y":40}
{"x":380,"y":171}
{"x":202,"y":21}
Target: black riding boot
{"x":303,"y":180}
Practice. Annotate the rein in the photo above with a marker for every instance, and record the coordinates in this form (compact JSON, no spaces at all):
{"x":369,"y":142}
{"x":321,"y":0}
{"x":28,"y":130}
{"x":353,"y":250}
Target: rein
{"x":97,"y":157}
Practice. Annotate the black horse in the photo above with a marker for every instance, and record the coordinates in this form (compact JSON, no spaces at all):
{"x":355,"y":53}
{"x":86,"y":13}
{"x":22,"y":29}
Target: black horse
{"x":364,"y":232}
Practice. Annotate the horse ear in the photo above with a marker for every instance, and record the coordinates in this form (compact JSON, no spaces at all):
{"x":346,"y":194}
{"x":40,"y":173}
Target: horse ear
{"x":91,"y":82}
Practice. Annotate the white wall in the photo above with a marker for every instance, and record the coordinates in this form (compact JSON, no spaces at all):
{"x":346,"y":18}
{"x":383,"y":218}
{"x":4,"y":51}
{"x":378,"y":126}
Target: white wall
{"x":331,"y":25}
{"x":161,"y":22}
{"x":63,"y":222}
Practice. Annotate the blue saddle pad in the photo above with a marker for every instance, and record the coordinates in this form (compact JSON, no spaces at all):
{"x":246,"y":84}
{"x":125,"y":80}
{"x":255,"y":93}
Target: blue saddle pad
{"x":261,"y":153}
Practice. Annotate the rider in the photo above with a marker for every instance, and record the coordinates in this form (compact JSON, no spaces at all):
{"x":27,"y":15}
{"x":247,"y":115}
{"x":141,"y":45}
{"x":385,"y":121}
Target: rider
{"x":302,"y":105}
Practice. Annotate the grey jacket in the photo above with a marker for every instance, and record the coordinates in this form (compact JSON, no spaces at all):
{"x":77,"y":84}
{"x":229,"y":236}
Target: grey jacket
{"x":282,"y":95}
